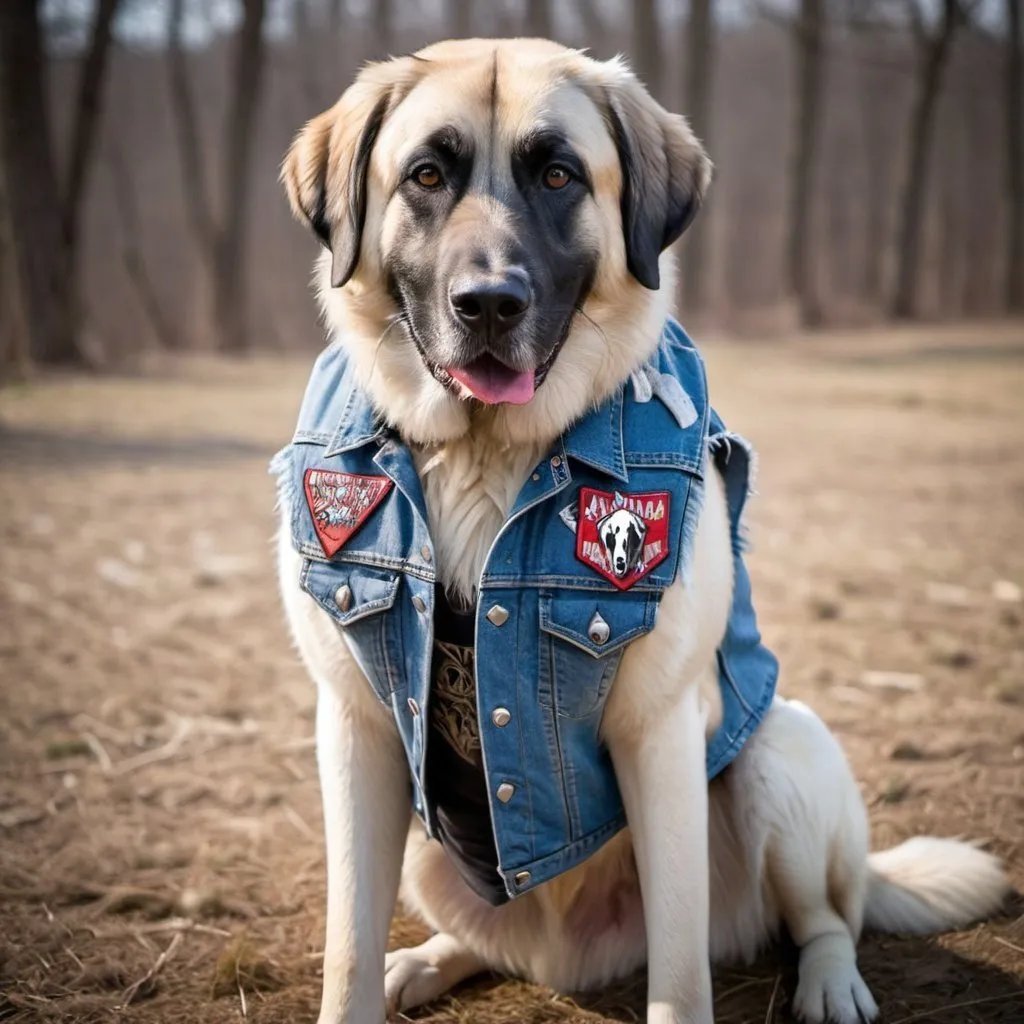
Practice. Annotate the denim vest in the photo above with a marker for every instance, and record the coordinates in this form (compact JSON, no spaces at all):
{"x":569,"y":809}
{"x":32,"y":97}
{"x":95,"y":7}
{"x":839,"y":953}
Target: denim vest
{"x":553,"y":614}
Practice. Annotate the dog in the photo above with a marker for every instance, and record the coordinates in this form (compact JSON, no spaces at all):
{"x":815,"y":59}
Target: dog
{"x":495,"y":217}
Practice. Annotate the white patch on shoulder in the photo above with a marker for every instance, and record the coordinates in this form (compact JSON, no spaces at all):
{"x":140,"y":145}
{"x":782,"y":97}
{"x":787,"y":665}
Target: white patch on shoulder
{"x":675,"y":399}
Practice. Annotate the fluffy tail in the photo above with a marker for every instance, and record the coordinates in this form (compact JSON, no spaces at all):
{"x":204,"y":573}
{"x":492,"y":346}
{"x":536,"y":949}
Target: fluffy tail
{"x":932,"y":885}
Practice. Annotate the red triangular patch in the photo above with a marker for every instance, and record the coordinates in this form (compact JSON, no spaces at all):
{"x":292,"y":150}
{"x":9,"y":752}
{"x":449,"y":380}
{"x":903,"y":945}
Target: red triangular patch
{"x":622,"y":536}
{"x":340,"y":503}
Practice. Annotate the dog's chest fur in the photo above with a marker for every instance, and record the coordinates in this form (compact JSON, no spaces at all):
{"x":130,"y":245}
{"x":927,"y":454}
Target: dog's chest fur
{"x":470,"y":486}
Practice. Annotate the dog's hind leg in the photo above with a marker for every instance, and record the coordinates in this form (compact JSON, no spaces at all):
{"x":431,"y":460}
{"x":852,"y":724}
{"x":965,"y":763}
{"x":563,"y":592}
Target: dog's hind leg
{"x":815,"y":830}
{"x":422,"y":973}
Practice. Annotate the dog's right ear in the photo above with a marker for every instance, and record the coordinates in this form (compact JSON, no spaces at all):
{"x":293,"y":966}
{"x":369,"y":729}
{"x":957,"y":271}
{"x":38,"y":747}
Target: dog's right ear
{"x":325,"y":169}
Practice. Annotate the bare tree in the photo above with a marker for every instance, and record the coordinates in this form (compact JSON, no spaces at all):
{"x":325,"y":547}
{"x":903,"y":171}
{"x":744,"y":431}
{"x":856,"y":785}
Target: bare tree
{"x":646,"y":50}
{"x":221,"y":239}
{"x":40,"y":225}
{"x":1014,"y":159}
{"x":933,"y":46}
{"x":41,"y":319}
{"x":809,"y":39}
{"x":538,"y":19}
{"x":461,"y":17}
{"x":700,"y":32}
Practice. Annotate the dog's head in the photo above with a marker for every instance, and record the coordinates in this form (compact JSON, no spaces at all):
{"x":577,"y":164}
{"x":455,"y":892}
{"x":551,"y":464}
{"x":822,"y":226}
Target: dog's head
{"x":622,"y":533}
{"x":494,"y":214}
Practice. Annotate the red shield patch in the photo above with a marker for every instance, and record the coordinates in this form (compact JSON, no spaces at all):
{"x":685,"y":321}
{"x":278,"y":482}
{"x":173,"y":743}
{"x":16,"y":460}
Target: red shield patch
{"x":340,"y":503}
{"x":622,"y":536}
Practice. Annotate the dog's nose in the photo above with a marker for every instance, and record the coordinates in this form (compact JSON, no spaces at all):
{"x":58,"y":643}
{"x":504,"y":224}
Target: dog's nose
{"x":491,"y":305}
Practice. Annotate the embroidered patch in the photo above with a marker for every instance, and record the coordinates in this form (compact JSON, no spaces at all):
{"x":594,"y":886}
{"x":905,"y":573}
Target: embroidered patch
{"x":340,"y":503}
{"x":622,"y":536}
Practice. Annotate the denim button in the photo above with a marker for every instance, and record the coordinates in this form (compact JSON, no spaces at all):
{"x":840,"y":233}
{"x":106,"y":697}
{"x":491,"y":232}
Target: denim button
{"x":599,"y":630}
{"x":419,"y":604}
{"x":426,"y":552}
{"x":522,"y":878}
{"x":414,"y":707}
{"x":505,"y":792}
{"x":501,"y":717}
{"x":497,"y":616}
{"x":556,"y":462}
{"x":343,"y":597}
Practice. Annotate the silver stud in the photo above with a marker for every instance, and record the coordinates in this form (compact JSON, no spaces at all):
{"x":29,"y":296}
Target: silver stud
{"x":343,"y":597}
{"x":497,"y":616}
{"x":598,"y":630}
{"x":556,"y":462}
{"x":505,"y":792}
{"x":414,"y":707}
{"x":501,"y":717}
{"x":522,"y":878}
{"x":426,"y":552}
{"x":419,"y":604}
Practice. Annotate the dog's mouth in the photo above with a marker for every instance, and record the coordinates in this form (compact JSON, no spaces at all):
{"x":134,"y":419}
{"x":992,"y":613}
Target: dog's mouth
{"x":490,"y":381}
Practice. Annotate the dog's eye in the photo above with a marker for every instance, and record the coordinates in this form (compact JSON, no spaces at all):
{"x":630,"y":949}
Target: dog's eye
{"x":427,"y":176}
{"x":556,"y":177}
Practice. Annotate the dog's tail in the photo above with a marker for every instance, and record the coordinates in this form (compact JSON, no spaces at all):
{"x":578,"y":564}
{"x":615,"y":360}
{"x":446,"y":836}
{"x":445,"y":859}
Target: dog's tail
{"x":932,"y":885}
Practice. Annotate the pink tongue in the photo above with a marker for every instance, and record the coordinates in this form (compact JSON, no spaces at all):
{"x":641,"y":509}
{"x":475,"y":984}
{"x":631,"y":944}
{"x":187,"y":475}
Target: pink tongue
{"x":492,"y":382}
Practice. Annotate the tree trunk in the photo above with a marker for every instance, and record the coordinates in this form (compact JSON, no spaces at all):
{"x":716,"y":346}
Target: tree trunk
{"x":36,"y":261}
{"x":538,"y":19}
{"x":383,"y":26}
{"x":931,"y":65}
{"x":88,"y":106}
{"x":230,"y":292}
{"x":810,"y":43}
{"x":647,"y":45}
{"x":461,"y":16}
{"x":697,"y":104}
{"x":1014,"y":159}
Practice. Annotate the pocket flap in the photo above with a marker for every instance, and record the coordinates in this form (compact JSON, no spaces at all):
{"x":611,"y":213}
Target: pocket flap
{"x":349,"y":592}
{"x":597,"y":623}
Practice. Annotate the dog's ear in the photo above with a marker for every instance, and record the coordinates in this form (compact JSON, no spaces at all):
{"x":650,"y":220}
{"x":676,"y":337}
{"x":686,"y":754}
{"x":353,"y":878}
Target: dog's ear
{"x":325,"y":169}
{"x":665,"y":174}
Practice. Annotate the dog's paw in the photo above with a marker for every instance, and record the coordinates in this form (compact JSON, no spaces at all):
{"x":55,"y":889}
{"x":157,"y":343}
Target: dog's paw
{"x":410,"y":980}
{"x":830,"y":989}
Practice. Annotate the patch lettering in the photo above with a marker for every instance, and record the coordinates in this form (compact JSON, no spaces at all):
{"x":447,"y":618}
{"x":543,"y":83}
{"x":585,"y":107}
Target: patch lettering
{"x":340,"y":503}
{"x":622,"y":536}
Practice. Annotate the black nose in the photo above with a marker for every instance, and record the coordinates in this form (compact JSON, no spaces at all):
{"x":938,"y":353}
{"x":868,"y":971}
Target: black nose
{"x":491,"y":305}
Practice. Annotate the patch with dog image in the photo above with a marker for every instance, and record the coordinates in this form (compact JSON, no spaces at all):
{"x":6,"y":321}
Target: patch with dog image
{"x":340,"y":503}
{"x":622,"y":536}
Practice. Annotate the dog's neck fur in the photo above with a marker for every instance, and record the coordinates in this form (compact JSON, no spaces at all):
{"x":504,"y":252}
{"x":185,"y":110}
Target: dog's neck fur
{"x":470,"y":485}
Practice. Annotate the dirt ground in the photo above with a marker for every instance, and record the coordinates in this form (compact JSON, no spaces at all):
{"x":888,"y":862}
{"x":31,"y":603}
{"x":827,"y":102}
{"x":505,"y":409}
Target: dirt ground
{"x":160,"y":848}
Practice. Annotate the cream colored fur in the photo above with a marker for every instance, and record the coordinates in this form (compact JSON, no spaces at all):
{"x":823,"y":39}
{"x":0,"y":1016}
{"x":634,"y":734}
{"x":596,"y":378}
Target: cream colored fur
{"x":705,"y":873}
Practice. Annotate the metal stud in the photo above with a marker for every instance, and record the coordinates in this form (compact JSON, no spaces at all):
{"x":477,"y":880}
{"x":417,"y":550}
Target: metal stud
{"x":599,"y":630}
{"x":556,"y":462}
{"x":501,"y":717}
{"x":343,"y":597}
{"x":419,"y":604}
{"x":497,"y":615}
{"x":426,"y":552}
{"x":535,"y":477}
{"x":522,"y":878}
{"x":414,"y":707}
{"x":505,"y":792}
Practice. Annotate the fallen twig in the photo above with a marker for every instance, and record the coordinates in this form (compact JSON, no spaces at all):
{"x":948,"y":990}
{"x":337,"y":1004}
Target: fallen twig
{"x":133,"y":990}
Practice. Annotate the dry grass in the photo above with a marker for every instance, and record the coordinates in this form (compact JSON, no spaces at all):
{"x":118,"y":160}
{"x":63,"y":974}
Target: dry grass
{"x":160,"y":857}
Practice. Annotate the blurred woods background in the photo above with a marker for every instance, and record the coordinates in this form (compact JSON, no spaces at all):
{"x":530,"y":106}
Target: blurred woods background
{"x":869,"y":152}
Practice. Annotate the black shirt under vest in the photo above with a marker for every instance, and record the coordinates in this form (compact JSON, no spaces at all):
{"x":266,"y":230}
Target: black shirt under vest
{"x":455,"y":768}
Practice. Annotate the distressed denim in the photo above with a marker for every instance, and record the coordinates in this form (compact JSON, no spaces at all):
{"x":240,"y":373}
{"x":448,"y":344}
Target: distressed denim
{"x":538,"y":657}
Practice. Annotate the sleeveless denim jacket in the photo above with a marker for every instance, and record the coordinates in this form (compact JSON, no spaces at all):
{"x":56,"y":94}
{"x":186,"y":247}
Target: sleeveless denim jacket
{"x":554,"y":612}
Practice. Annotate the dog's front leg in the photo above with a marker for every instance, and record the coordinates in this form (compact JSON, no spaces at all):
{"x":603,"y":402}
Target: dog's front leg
{"x":661,"y":775}
{"x":365,"y":787}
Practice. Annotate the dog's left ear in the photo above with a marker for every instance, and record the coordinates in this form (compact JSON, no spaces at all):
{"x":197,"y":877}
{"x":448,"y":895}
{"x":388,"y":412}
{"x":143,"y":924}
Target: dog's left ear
{"x":665,"y":174}
{"x":325,"y":170}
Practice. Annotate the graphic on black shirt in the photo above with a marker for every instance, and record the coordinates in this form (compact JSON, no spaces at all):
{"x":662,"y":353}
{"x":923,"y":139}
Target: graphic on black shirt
{"x":453,"y":702}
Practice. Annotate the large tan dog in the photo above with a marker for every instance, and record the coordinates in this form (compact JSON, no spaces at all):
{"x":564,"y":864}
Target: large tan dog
{"x":559,"y":181}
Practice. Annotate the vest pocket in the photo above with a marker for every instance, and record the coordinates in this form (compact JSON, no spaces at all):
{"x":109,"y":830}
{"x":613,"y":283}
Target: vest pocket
{"x":357,"y":598}
{"x":583,"y":635}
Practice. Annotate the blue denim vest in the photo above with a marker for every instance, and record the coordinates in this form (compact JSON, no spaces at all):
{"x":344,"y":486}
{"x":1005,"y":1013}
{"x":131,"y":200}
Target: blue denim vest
{"x":539,"y":658}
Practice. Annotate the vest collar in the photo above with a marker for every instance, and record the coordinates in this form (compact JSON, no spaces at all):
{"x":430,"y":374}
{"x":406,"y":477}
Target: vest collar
{"x":596,"y":439}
